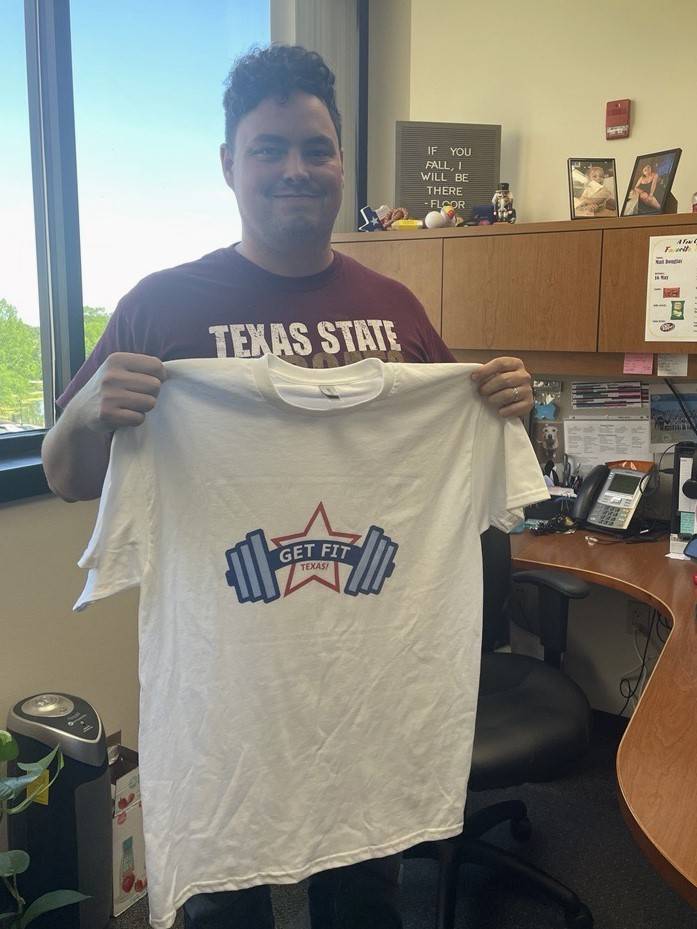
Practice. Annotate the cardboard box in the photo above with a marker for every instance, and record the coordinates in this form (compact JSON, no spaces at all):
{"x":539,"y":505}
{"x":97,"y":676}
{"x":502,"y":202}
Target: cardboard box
{"x":129,"y":879}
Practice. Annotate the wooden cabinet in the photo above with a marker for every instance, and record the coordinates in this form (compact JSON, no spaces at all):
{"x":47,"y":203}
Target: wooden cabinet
{"x":415,"y":263}
{"x":516,"y":292}
{"x":623,"y":289}
{"x":568,"y":297}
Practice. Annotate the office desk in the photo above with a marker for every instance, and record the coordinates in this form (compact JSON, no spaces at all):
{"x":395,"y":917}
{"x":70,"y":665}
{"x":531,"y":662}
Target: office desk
{"x":657,"y":758}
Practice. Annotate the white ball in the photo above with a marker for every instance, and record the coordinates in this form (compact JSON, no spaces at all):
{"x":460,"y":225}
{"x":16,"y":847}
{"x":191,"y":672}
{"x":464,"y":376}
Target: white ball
{"x":434,"y":220}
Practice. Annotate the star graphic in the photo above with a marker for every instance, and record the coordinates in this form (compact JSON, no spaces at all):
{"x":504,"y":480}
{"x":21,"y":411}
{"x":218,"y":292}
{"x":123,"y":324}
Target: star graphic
{"x":326,"y":532}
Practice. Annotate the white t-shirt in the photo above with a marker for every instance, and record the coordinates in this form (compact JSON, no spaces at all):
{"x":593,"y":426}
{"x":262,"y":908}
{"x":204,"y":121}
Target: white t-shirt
{"x":307,"y":547}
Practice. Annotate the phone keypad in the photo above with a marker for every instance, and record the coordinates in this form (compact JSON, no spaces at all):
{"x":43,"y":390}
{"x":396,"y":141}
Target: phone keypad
{"x":611,"y":516}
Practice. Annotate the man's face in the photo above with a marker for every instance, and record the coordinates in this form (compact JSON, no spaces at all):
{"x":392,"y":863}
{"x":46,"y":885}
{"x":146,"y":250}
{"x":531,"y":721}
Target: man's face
{"x":286,"y":171}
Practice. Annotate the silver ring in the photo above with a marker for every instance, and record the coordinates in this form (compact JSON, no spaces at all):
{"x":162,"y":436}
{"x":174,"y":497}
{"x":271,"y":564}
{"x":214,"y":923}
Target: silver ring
{"x":515,"y":394}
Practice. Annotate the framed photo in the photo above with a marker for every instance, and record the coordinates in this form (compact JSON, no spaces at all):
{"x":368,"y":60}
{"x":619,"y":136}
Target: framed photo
{"x":650,"y":183}
{"x":592,"y":187}
{"x":548,"y":440}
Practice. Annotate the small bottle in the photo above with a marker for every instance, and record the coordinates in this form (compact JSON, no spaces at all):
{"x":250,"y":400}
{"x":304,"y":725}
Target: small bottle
{"x":694,"y":202}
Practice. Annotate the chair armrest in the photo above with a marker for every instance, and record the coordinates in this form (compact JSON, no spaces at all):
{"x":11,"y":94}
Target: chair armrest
{"x":559,"y":581}
{"x":555,"y":589}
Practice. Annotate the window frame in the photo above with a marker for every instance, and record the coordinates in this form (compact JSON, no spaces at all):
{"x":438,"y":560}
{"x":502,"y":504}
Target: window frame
{"x":57,"y":231}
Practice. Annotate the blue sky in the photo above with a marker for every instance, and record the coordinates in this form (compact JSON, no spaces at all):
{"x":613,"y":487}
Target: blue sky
{"x":148,"y":85}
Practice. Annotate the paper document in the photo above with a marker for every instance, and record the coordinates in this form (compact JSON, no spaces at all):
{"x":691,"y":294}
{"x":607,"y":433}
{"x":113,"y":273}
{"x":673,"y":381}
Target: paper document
{"x":671,"y":289}
{"x":672,"y":366}
{"x":594,"y":441}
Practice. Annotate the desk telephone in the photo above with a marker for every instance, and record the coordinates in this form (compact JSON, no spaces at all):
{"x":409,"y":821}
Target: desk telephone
{"x":608,"y":498}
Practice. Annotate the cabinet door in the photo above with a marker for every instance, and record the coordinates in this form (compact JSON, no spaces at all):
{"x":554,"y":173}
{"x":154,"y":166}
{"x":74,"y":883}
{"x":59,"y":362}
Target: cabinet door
{"x":417,"y":265}
{"x":522,"y":291}
{"x":623,"y":290}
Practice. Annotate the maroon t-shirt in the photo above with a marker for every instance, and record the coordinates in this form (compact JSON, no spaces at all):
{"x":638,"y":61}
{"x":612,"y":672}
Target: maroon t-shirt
{"x":223,"y":306}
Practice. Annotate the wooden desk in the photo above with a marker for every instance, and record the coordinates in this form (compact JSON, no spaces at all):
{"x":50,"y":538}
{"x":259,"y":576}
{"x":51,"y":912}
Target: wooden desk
{"x":657,"y":758}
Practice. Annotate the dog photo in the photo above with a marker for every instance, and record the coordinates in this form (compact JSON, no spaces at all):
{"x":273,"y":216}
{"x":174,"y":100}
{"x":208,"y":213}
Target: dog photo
{"x":548,"y":440}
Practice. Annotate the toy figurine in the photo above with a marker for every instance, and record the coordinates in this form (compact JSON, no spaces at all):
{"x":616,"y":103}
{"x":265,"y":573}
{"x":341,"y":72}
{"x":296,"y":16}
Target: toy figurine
{"x":434,"y":220}
{"x":371,"y":220}
{"x":382,"y":218}
{"x":503,"y":205}
{"x":438,"y":219}
{"x":390,"y":214}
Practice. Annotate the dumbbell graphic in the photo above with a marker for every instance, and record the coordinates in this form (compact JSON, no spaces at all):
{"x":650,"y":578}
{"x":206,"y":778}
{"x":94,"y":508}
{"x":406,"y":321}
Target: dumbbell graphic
{"x":252,"y":566}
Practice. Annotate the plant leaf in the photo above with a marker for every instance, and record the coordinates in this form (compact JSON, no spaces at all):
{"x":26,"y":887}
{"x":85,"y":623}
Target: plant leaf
{"x":14,"y":862}
{"x":8,"y":749}
{"x":28,"y":800}
{"x":50,"y":901}
{"x":42,"y":763}
{"x":12,"y":787}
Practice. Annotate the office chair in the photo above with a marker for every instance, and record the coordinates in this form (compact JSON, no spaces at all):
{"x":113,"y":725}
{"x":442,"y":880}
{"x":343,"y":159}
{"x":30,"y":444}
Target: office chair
{"x":532,"y":724}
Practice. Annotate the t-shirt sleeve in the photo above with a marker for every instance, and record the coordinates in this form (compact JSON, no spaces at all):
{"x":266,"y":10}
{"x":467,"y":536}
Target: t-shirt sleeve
{"x":431,"y":347}
{"x":436,"y":348}
{"x":117,"y":553}
{"x":506,"y":475}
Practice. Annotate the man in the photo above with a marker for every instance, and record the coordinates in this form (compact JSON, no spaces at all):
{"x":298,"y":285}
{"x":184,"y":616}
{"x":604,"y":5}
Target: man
{"x":280,"y":290}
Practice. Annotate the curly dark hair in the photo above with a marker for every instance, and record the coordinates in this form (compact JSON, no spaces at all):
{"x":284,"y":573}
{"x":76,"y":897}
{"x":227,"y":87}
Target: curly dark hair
{"x":276,"y":71}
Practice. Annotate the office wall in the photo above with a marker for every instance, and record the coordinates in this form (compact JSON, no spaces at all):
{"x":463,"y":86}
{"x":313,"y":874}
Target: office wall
{"x":544,"y":70}
{"x":43,"y":644}
{"x":330,"y":28}
{"x":389,"y":57}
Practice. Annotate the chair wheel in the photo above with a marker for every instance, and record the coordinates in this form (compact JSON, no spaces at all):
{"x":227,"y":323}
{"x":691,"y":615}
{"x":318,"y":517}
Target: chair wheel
{"x":521,"y":829}
{"x":581,"y":919}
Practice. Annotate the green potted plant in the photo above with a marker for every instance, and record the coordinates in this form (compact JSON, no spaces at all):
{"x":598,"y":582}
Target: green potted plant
{"x":16,"y":861}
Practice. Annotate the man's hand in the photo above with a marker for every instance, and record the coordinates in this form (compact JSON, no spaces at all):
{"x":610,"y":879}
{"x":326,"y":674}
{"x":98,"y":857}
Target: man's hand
{"x":121,"y":391}
{"x":506,"y":384}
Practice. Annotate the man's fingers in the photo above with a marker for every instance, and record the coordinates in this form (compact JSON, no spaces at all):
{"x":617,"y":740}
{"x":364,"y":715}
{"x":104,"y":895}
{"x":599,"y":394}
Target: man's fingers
{"x":514,"y":409}
{"x":505,"y":381}
{"x":116,"y":379}
{"x":511,"y":396}
{"x":137,"y":364}
{"x":498,"y":366}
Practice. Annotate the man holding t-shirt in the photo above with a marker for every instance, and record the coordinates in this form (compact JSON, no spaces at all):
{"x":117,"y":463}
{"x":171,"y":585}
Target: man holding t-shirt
{"x":281,"y":290}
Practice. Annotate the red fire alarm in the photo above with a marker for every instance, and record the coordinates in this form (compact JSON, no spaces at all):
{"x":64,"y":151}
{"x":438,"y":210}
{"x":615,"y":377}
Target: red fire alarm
{"x":617,"y":119}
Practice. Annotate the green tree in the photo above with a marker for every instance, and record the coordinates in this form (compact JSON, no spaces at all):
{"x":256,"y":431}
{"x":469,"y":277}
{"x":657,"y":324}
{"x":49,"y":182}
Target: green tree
{"x":21,"y":392}
{"x":95,"y":318}
{"x":21,"y":379}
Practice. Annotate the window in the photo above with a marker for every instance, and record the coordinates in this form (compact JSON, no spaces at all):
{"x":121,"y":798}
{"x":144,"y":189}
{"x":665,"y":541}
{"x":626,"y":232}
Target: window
{"x":143,"y":93}
{"x":21,"y":380}
{"x":148,"y":87}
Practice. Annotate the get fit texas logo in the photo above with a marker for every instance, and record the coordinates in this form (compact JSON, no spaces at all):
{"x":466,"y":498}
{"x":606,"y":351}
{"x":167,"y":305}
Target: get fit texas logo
{"x":315,"y":554}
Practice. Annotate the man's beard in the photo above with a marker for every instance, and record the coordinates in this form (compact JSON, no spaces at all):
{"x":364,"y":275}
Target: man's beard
{"x":298,"y":231}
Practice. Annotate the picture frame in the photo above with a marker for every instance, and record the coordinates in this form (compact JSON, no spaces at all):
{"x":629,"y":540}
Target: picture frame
{"x":592,"y":188}
{"x":650,"y":184}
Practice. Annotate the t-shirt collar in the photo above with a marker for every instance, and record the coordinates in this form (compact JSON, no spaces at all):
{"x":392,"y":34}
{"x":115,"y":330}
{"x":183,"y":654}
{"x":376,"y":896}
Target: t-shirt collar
{"x":265,"y":367}
{"x":281,"y":283}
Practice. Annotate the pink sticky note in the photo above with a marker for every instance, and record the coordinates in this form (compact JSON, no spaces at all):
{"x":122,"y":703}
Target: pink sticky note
{"x":638,"y":363}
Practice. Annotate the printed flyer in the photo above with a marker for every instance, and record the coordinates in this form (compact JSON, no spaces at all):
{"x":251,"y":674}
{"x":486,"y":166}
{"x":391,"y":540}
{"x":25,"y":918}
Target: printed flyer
{"x":671,"y":289}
